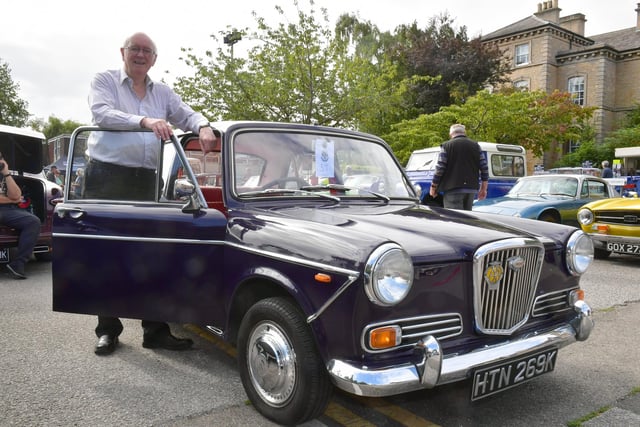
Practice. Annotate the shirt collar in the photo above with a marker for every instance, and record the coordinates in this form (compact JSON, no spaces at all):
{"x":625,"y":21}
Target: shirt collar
{"x":125,"y":78}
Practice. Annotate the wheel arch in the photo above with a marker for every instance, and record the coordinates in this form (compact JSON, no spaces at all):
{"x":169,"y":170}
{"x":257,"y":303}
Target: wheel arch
{"x":550,"y":213}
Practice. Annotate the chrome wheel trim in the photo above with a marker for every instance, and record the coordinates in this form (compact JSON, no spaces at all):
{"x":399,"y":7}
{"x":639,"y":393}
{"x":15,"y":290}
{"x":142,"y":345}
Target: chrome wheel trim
{"x":271,"y":363}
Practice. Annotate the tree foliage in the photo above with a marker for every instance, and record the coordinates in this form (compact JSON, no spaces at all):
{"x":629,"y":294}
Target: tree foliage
{"x":535,"y":120}
{"x":442,"y":50}
{"x":297,"y":72}
{"x":54,"y":126}
{"x":13,"y":110}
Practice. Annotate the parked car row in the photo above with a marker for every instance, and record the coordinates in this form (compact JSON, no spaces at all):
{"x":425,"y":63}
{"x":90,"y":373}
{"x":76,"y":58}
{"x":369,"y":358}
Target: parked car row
{"x":581,"y":200}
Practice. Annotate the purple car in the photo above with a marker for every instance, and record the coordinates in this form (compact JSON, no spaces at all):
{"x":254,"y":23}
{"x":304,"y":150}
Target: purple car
{"x":318,"y":283}
{"x":22,"y":149}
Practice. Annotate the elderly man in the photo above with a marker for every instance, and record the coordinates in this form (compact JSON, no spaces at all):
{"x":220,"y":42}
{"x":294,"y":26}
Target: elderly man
{"x":456,"y":176}
{"x":124,"y":167}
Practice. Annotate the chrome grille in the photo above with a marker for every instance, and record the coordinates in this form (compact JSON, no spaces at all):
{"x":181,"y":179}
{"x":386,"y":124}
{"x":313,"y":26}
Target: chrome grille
{"x":630,"y":217}
{"x":553,"y":302}
{"x":504,"y":281}
{"x":413,"y":329}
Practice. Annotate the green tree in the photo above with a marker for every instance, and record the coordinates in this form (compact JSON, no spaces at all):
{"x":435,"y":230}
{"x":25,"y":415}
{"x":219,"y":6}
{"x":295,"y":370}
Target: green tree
{"x":296,"y":72}
{"x":54,"y":126}
{"x":13,"y":110}
{"x":536,"y":120}
{"x":442,"y":50}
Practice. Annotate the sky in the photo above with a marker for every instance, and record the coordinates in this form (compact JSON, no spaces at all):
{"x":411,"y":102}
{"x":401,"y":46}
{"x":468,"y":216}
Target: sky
{"x":54,"y":48}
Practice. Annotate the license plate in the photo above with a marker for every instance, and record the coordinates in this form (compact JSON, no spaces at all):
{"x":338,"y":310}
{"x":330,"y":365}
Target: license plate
{"x":4,"y":255}
{"x":625,"y":248}
{"x":497,"y":378}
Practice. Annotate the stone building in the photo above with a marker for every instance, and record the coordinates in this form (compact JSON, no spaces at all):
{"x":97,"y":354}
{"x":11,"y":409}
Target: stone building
{"x":549,"y":51}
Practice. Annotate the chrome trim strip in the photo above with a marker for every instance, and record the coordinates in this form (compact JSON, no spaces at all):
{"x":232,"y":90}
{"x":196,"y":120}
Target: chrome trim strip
{"x":610,"y":238}
{"x":331,"y":299}
{"x":351,"y":274}
{"x":273,"y":255}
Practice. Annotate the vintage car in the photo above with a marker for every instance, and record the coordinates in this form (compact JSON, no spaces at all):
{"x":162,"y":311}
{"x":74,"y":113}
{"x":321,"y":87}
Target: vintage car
{"x":320,"y":284}
{"x":22,"y":149}
{"x":613,"y":224}
{"x":549,"y":197}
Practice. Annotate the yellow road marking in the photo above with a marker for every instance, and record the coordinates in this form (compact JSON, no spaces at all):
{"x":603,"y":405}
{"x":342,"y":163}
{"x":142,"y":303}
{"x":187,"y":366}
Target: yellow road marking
{"x":345,"y":417}
{"x":394,"y":412}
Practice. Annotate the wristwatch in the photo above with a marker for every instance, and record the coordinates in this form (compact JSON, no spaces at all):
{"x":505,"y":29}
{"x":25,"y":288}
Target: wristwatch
{"x":204,"y":126}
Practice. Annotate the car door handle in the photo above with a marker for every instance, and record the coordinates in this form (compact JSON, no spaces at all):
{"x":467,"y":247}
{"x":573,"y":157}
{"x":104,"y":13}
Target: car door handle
{"x":75,"y":213}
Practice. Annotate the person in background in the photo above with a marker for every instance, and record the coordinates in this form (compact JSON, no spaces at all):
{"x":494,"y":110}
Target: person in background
{"x":125,"y":167}
{"x":607,"y":172}
{"x":12,"y":216}
{"x":456,"y":175}
{"x":76,"y":187}
{"x":54,"y":175}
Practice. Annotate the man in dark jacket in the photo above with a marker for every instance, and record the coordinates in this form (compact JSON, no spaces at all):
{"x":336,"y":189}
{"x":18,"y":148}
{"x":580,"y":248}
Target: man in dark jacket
{"x":456,"y":176}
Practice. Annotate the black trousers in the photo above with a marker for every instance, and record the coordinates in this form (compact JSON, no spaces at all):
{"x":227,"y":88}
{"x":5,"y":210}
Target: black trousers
{"x":112,"y":326}
{"x":109,"y":181}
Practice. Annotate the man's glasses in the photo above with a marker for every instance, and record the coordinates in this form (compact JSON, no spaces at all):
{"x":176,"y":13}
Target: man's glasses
{"x":137,"y":49}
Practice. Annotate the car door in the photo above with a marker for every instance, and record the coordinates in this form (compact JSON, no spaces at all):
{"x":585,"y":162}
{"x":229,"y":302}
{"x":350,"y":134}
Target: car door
{"x":157,"y":260}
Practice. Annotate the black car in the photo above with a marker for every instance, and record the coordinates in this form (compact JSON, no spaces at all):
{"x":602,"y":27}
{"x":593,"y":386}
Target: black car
{"x":319,"y":283}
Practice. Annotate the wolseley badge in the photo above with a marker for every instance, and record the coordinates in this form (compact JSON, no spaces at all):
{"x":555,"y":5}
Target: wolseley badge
{"x":493,"y":274}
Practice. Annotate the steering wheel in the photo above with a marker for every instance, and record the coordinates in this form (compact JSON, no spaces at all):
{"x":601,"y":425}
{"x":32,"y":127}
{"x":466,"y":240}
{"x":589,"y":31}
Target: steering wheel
{"x":280,"y":182}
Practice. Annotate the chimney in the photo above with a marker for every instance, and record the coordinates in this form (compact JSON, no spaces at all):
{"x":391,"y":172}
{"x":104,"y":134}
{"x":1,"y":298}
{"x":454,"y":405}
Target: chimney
{"x":549,"y":11}
{"x":574,"y":23}
{"x":638,"y":17}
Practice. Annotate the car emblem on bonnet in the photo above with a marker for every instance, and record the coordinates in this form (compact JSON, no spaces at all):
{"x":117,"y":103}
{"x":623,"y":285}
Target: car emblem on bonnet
{"x":493,"y":274}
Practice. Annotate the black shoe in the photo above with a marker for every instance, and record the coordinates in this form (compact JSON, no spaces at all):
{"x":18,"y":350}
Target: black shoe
{"x":16,"y":273}
{"x":106,"y":345}
{"x":167,"y":342}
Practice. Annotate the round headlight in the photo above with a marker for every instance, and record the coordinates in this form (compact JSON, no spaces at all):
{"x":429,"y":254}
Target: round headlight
{"x":585,"y":216}
{"x":579,"y":253}
{"x":388,"y":275}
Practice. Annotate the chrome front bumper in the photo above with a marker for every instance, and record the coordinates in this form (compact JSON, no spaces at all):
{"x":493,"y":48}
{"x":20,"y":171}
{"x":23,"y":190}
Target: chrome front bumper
{"x":432,"y":368}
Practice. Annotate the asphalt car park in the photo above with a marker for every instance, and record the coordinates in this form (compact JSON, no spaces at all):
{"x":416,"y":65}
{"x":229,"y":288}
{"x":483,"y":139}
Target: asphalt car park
{"x":50,"y":375}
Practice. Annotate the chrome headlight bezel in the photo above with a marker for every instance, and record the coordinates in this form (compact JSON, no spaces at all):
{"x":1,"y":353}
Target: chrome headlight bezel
{"x":579,"y":253}
{"x":585,"y":216}
{"x":388,"y":275}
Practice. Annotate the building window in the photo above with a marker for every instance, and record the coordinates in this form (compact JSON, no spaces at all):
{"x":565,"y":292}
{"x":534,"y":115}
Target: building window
{"x":573,"y":146}
{"x":521,"y":85}
{"x":576,"y":89}
{"x":522,"y":54}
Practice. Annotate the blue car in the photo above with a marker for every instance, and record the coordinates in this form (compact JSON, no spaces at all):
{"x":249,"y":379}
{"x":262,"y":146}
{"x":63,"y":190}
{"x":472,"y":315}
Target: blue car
{"x":320,"y":280}
{"x":549,"y":197}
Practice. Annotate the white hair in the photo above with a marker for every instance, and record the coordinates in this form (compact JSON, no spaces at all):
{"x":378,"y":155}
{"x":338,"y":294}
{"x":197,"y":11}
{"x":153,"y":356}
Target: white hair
{"x":457,"y":129}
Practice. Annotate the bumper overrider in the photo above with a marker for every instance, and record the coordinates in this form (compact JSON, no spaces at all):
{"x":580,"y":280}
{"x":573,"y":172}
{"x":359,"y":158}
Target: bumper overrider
{"x":432,"y":368}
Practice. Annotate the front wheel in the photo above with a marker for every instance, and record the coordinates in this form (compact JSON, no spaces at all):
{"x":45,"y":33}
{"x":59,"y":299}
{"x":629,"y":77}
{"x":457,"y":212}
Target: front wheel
{"x":281,"y":371}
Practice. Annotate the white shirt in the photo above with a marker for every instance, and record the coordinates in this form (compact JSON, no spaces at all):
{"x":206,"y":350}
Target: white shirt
{"x":114,"y":104}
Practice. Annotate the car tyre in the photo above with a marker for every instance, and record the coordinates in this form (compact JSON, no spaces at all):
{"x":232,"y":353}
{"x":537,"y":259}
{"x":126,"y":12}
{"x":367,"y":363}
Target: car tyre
{"x":549,"y":217}
{"x":281,"y":370}
{"x":601,"y":253}
{"x":43,"y":256}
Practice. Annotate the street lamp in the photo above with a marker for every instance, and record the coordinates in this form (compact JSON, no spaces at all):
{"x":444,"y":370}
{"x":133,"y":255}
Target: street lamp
{"x":232,"y":38}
